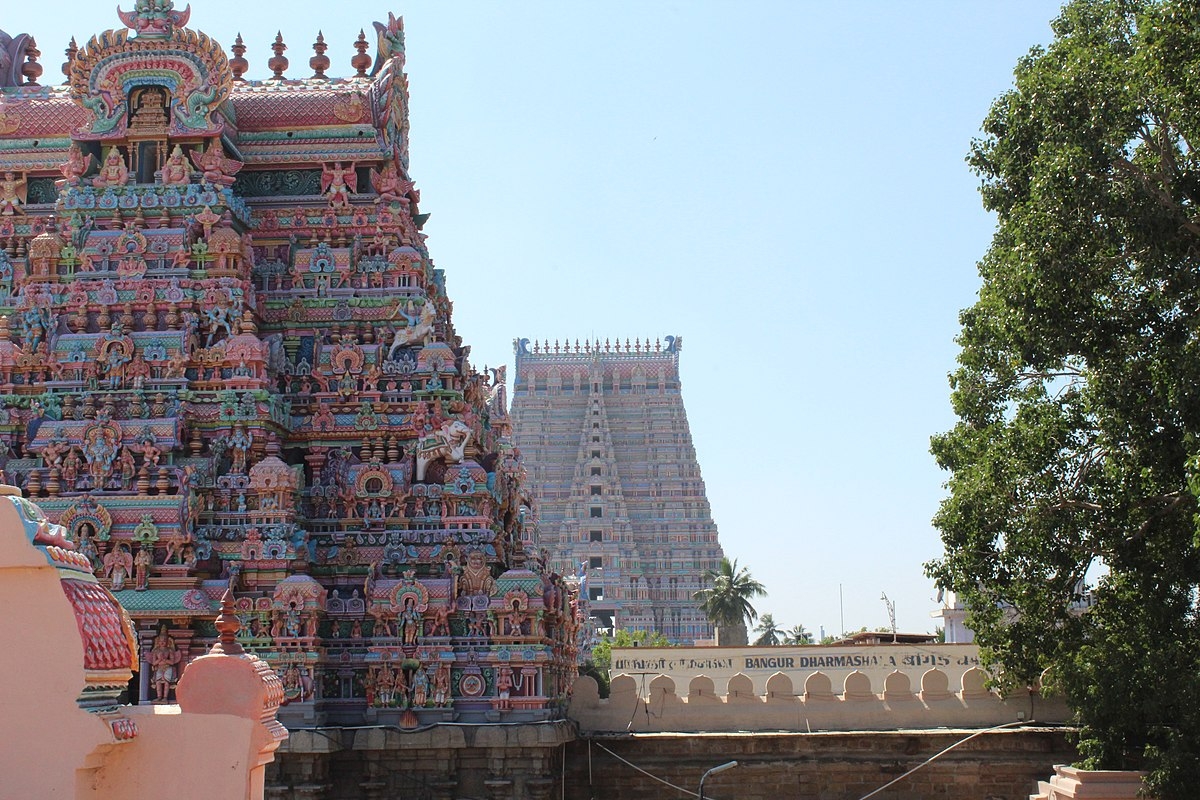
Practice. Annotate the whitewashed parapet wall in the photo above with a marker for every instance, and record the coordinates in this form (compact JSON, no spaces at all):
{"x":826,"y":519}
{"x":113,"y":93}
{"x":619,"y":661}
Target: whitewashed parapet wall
{"x":648,"y":703}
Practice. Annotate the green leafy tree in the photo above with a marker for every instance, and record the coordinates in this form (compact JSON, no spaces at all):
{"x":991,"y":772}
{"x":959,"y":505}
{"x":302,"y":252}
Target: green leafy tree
{"x":798,"y":635}
{"x":1077,"y":447}
{"x":768,"y":631}
{"x":726,"y":601}
{"x":600,"y":663}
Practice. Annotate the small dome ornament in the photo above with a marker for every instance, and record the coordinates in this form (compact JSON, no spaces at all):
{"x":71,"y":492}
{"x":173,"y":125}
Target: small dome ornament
{"x":278,"y":62}
{"x":238,"y":64}
{"x":320,"y":62}
{"x":361,"y":61}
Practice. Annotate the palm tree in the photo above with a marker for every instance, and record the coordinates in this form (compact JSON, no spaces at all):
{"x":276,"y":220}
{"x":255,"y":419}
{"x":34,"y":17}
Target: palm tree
{"x":726,"y":601}
{"x":768,"y":632}
{"x":797,"y":635}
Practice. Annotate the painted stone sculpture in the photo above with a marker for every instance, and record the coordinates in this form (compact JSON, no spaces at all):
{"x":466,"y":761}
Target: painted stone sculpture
{"x":228,"y":364}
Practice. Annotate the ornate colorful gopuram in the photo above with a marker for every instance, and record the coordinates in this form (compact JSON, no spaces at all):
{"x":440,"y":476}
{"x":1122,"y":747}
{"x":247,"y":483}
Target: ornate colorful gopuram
{"x":227,"y":361}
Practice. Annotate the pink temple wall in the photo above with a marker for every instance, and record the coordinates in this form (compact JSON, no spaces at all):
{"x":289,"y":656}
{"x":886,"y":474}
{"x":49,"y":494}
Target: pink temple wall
{"x":54,"y":748}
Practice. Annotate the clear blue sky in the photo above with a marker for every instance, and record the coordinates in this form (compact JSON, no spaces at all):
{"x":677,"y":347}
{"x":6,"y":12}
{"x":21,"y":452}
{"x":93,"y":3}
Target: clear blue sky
{"x":780,"y":183}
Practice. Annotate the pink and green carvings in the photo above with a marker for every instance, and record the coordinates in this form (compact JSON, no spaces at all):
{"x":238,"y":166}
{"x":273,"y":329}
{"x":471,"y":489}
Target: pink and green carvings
{"x":227,"y":362}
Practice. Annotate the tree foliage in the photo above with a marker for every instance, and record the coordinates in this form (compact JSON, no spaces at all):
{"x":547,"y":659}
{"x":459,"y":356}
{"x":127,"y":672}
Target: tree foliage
{"x":797,"y":635}
{"x":768,"y":631}
{"x":726,"y":601}
{"x":1076,"y":449}
{"x":601,"y":661}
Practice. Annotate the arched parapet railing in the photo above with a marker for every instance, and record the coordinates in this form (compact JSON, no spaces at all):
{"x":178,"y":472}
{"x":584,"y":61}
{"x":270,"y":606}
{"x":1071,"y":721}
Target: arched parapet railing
{"x":817,"y":700}
{"x":702,"y":690}
{"x":780,"y":689}
{"x":857,"y":687}
{"x":818,"y":687}
{"x":897,"y":687}
{"x":935,"y":685}
{"x":662,"y":693}
{"x":741,"y":690}
{"x":974,"y":683}
{"x":623,"y":694}
{"x":585,"y":692}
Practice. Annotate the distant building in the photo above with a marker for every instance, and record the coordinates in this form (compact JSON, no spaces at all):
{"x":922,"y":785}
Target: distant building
{"x":605,"y":437}
{"x":886,"y":637}
{"x":953,"y":612}
{"x":953,"y":616}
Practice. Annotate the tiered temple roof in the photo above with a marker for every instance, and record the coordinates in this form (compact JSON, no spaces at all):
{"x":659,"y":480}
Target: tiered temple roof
{"x":616,"y":481}
{"x":228,"y":361}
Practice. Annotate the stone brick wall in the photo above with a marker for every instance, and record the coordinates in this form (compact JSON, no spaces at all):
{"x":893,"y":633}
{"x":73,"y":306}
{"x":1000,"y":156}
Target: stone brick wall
{"x":548,"y":761}
{"x":439,"y":763}
{"x":1004,"y":765}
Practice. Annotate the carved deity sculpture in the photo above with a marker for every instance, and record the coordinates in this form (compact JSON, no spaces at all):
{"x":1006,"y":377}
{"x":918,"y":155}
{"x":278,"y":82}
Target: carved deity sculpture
{"x":127,"y":468}
{"x":150,"y":451}
{"x":504,"y":683}
{"x":12,"y":194}
{"x":175,"y":171}
{"x":441,"y":686}
{"x":410,"y":622}
{"x":420,"y":325}
{"x":385,"y":685}
{"x":118,"y":565}
{"x":476,"y":576}
{"x":114,"y":172}
{"x":516,"y":620}
{"x":391,"y":187}
{"x":336,"y":183}
{"x":239,"y":446}
{"x":142,"y":563}
{"x":215,"y":167}
{"x":76,"y":165}
{"x":441,"y":621}
{"x":164,"y":658}
{"x":291,"y":621}
{"x":87,"y":547}
{"x":420,"y":692}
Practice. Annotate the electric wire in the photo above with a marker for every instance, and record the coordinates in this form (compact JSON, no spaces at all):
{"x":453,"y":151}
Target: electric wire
{"x":933,"y":758}
{"x":867,"y":796}
{"x":688,"y":792}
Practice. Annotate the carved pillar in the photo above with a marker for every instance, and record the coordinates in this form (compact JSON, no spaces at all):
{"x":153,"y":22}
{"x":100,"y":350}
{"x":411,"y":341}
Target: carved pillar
{"x":316,"y":460}
{"x":531,"y":678}
{"x":146,"y":642}
{"x":144,"y":677}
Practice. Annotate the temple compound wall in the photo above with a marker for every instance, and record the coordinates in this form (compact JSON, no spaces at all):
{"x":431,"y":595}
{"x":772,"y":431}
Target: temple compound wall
{"x":70,"y":651}
{"x":445,"y":762}
{"x":541,"y":762}
{"x":1000,"y":765}
{"x":658,"y":704}
{"x":877,"y":662}
{"x":837,"y":734}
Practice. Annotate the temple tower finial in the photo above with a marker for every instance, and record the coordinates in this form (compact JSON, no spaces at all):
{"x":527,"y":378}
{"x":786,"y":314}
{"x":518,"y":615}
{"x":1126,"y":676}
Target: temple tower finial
{"x":278,"y":62}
